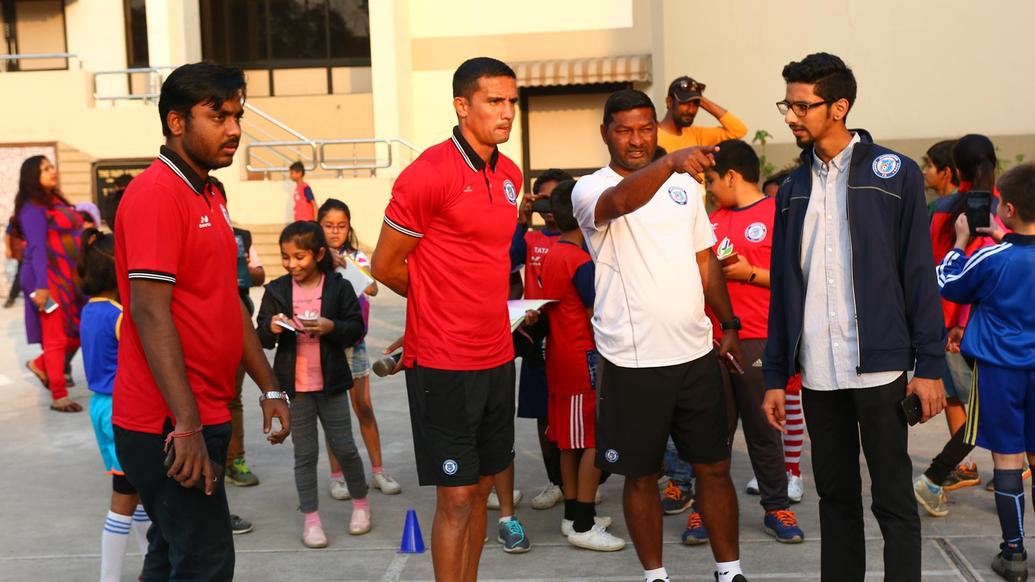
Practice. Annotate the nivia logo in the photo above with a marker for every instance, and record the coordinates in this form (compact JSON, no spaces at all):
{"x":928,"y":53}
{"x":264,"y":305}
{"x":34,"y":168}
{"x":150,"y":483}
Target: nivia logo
{"x":611,"y":455}
{"x":450,"y":467}
{"x":204,"y":222}
{"x":509,"y":191}
{"x":887,"y":165}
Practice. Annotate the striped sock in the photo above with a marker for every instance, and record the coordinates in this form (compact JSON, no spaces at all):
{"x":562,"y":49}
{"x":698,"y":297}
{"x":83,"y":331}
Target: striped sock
{"x":114,"y":539}
{"x":141,"y":523}
{"x":795,"y":437}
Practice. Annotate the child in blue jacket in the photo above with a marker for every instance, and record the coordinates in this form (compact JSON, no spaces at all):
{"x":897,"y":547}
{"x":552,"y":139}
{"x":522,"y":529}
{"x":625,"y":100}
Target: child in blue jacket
{"x":998,"y":282}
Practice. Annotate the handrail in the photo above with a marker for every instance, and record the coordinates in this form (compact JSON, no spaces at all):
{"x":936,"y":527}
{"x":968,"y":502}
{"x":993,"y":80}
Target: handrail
{"x":281,"y":143}
{"x":274,"y":121}
{"x":38,"y":56}
{"x":376,"y":165}
{"x":154,"y":83}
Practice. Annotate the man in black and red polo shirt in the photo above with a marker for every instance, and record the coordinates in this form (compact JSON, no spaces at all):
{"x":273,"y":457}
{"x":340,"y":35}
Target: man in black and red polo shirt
{"x":185,"y":331}
{"x":444,"y":245}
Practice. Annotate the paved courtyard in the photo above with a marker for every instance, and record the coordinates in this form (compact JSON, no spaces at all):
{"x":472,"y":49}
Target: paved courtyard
{"x":55,"y":498}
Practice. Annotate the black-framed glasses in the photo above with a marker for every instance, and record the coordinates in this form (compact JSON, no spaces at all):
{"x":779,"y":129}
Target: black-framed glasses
{"x":800,"y":108}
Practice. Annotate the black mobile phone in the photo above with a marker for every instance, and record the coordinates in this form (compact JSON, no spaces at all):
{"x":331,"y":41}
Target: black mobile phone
{"x":979,"y":207}
{"x":218,"y":470}
{"x":912,"y":409}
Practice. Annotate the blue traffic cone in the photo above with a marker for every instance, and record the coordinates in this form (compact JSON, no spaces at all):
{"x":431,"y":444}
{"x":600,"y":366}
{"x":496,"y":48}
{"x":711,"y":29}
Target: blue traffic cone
{"x":412,"y":541}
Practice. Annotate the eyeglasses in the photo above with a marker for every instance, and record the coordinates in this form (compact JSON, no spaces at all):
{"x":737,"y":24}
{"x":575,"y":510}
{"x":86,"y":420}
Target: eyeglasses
{"x":800,"y":108}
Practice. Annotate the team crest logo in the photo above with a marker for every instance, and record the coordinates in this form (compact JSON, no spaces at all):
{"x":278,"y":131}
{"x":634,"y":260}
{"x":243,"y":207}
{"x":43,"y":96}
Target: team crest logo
{"x":450,"y":467}
{"x":756,"y":232}
{"x":887,"y":165}
{"x":509,"y":191}
{"x":611,"y":455}
{"x":678,"y":195}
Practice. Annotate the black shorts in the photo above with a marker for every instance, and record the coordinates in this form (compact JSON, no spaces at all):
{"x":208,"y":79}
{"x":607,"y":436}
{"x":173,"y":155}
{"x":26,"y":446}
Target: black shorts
{"x":639,"y":408}
{"x":463,"y":423}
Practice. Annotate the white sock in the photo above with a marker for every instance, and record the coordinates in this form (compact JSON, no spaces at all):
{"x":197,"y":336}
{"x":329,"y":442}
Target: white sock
{"x":655,"y":574}
{"x":141,"y":523}
{"x":114,"y":539}
{"x":727,"y":570}
{"x":506,"y":519}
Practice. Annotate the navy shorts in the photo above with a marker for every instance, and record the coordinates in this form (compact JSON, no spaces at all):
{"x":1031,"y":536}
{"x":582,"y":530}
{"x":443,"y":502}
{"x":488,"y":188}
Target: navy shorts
{"x":532,"y":395}
{"x":1001,"y":415}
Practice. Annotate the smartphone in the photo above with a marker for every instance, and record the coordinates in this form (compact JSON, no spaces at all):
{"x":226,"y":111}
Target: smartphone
{"x":49,"y":307}
{"x":285,"y":325}
{"x":978,"y":209}
{"x":218,"y":469}
{"x":912,"y":409}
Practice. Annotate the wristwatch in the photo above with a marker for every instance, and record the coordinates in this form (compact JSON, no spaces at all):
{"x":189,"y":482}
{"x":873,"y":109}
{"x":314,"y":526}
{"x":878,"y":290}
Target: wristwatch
{"x":731,"y":324}
{"x":274,"y":394}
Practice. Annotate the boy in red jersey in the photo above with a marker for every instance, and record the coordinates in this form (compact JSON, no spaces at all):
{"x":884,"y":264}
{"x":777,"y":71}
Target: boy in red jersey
{"x":743,"y":227}
{"x":571,"y":361}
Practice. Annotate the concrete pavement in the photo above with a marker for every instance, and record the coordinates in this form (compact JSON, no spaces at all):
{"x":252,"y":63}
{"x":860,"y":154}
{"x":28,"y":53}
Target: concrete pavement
{"x":55,"y":497}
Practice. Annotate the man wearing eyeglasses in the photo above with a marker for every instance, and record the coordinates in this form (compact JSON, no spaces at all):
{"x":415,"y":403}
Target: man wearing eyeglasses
{"x":854,"y":306}
{"x":677,"y":130}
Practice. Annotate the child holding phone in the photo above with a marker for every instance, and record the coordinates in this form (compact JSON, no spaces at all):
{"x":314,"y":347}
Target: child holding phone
{"x":324,"y":311}
{"x":996,"y":281}
{"x":99,"y":330}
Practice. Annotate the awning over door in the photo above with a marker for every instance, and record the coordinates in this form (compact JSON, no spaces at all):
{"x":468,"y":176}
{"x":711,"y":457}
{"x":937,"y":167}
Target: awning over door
{"x":634,"y":68}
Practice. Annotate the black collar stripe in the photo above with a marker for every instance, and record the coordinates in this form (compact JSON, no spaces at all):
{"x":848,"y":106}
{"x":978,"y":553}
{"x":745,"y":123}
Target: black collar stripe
{"x":470,"y":156}
{"x":181,"y":169}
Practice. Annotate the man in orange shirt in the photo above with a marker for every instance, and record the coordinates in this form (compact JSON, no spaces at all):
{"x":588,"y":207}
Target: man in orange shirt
{"x":677,"y":131}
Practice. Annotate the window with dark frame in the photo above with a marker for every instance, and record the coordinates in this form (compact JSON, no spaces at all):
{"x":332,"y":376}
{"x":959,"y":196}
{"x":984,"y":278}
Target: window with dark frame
{"x":33,"y":27}
{"x":136,"y":34}
{"x":279,"y":34}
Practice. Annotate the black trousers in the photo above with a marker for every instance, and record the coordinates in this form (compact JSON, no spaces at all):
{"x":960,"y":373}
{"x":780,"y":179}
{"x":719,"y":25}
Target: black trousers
{"x":190,"y":536}
{"x":837,"y":421}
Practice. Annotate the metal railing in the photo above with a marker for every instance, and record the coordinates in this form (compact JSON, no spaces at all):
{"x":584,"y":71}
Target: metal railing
{"x":155,"y":77}
{"x":5,"y":59}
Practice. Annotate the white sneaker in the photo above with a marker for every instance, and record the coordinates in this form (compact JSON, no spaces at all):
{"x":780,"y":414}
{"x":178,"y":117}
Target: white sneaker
{"x":597,"y":539}
{"x":795,"y":487}
{"x":752,"y":486}
{"x":385,"y":483}
{"x":550,"y":495}
{"x":566,"y":524}
{"x":494,"y":500}
{"x":339,"y":490}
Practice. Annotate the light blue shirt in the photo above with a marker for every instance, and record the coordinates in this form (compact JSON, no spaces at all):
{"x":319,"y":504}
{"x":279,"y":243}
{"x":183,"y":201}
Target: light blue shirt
{"x":830,"y":333}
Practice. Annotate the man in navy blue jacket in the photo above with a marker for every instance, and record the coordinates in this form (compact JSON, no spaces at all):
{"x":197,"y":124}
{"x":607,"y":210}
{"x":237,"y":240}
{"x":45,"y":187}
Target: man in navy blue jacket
{"x":854,"y":306}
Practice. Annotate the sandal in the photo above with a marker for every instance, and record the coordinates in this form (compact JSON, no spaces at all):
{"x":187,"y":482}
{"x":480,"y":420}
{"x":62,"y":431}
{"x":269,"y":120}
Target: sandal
{"x":38,"y":373}
{"x":65,"y":405}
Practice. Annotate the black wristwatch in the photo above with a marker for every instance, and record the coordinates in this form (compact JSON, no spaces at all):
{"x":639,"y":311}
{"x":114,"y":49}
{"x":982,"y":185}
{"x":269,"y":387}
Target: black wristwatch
{"x":731,"y":324}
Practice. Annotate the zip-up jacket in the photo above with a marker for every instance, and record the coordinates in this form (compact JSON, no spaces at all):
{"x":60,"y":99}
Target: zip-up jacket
{"x":897,"y":306}
{"x":338,"y":303}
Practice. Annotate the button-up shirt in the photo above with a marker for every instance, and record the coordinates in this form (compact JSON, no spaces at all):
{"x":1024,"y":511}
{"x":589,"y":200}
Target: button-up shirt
{"x":830,"y":334}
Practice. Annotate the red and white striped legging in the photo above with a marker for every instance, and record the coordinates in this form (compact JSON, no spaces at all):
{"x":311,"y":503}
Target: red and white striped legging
{"x":795,"y":437}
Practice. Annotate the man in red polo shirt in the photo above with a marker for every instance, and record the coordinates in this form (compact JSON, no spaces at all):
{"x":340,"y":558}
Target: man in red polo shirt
{"x":444,"y":245}
{"x":185,"y":331}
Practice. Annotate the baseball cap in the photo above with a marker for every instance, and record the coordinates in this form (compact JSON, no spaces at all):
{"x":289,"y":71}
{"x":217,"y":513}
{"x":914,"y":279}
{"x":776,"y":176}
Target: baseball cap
{"x":685,"y":89}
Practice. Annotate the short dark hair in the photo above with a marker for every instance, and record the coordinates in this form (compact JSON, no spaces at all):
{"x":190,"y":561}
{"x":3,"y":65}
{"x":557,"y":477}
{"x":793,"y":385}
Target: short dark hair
{"x":551,"y":175}
{"x":560,"y":205}
{"x":831,"y":76}
{"x":465,"y":78}
{"x":940,"y":154}
{"x":626,"y":100}
{"x":198,"y":83}
{"x":776,"y":178}
{"x":297,"y":167}
{"x":738,"y":156}
{"x":308,"y":235}
{"x":1017,"y":186}
{"x":97,"y":262}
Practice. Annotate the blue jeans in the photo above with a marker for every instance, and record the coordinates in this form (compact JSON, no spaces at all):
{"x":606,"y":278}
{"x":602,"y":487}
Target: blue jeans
{"x":677,"y":469}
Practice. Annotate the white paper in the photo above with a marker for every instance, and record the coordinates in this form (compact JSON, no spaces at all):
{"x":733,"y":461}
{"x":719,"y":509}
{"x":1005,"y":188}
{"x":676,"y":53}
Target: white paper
{"x":517,"y":308}
{"x":356,"y":275}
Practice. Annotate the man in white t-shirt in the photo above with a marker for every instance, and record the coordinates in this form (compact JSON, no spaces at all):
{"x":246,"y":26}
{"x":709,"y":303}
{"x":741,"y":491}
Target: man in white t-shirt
{"x":659,"y":374}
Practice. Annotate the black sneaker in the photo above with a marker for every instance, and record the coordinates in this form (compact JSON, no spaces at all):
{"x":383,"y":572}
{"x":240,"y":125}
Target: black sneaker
{"x":674,"y":500}
{"x":240,"y":525}
{"x":737,"y":578}
{"x":1012,"y":567}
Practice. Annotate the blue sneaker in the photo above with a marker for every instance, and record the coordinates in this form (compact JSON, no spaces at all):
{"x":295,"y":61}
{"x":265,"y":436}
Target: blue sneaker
{"x":783,"y":525}
{"x":695,"y":533}
{"x":511,"y":534}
